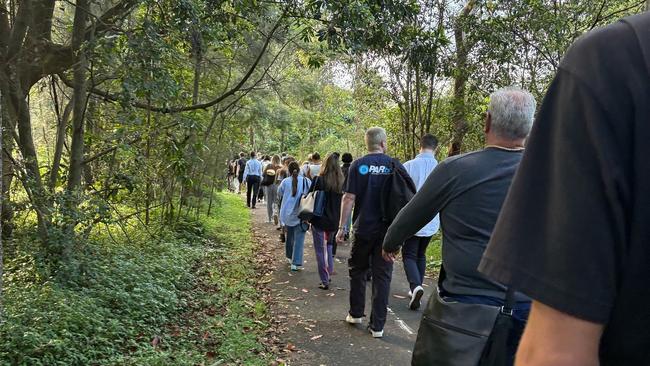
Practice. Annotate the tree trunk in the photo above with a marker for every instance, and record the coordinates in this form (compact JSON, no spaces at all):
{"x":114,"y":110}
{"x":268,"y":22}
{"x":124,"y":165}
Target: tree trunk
{"x":459,"y":114}
{"x":7,"y":171}
{"x":58,"y":147}
{"x":1,"y":210}
{"x":79,"y":97}
{"x":18,"y":111}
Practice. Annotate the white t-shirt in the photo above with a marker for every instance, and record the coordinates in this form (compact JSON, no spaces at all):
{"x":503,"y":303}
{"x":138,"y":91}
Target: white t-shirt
{"x":314,"y":170}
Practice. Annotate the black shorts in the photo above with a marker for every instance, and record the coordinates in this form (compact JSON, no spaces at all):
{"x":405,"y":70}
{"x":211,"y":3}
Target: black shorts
{"x":240,"y":178}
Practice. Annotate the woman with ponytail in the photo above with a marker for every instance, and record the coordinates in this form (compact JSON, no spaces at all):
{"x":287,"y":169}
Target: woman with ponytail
{"x":291,"y":190}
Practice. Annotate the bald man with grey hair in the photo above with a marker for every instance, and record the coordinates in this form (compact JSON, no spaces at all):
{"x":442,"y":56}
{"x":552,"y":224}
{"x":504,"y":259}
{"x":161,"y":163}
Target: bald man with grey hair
{"x":467,"y":191}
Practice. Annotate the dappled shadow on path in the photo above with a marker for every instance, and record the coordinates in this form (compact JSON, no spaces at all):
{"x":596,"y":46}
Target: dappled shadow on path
{"x":310,"y":321}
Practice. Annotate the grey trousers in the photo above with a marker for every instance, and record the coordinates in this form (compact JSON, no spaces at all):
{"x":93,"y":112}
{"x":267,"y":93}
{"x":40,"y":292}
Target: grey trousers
{"x":271,"y":193}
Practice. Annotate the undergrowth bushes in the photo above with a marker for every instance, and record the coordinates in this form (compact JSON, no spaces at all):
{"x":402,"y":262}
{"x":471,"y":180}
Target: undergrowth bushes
{"x":132,"y":304}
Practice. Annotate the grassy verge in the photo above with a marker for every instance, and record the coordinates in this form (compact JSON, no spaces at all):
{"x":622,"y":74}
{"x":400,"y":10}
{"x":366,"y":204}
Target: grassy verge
{"x":184,"y":297}
{"x":434,"y":255}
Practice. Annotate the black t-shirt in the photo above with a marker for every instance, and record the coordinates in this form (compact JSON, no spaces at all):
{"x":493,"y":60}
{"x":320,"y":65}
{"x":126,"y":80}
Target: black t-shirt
{"x":574,"y":232}
{"x":242,"y":165}
{"x":365,"y":178}
{"x":330,"y":220}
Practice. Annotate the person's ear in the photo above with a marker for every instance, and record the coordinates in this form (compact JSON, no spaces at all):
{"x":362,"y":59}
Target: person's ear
{"x":488,"y":122}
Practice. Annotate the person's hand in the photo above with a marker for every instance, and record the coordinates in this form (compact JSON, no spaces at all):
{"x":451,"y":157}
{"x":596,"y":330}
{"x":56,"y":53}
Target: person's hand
{"x":340,"y":236}
{"x":388,"y":256}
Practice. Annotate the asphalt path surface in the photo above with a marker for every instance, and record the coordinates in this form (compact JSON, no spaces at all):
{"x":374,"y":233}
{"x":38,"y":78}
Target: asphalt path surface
{"x":316,"y":331}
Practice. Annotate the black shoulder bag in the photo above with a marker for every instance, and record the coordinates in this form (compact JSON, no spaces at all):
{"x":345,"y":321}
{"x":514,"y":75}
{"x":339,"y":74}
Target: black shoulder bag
{"x":457,"y":334}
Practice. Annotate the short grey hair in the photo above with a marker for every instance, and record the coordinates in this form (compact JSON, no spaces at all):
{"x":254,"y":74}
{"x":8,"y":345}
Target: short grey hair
{"x":374,"y":138}
{"x":512,"y":110}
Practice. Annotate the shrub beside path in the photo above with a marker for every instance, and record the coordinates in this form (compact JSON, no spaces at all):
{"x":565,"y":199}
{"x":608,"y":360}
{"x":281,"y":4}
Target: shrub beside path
{"x":314,"y":329}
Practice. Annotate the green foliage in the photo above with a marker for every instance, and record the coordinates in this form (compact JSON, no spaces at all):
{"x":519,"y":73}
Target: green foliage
{"x":132,"y":293}
{"x":434,"y":254}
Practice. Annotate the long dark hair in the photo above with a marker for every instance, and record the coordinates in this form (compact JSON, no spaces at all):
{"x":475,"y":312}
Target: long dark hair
{"x":294,"y":169}
{"x":332,"y":175}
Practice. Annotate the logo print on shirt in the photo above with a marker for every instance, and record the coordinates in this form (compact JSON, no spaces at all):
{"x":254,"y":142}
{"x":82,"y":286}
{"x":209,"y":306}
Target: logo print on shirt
{"x":379,"y":170}
{"x":363,"y":169}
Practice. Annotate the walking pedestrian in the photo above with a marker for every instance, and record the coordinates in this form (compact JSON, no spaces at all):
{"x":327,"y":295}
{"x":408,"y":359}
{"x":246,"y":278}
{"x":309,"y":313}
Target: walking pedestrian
{"x":270,"y":185}
{"x":241,"y":167}
{"x":574,"y":232}
{"x":468,"y":191}
{"x":414,"y":251}
{"x":291,"y":190}
{"x":363,"y":192}
{"x":323,"y":227}
{"x":347,"y":159}
{"x":304,"y":170}
{"x":232,"y":173}
{"x":314,"y":166}
{"x":282,"y":174}
{"x":252,"y":176}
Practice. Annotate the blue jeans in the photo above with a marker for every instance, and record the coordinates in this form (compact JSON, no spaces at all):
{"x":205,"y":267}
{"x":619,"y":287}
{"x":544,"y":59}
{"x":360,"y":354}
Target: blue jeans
{"x":295,"y":243}
{"x":519,"y":314}
{"x":414,"y":256}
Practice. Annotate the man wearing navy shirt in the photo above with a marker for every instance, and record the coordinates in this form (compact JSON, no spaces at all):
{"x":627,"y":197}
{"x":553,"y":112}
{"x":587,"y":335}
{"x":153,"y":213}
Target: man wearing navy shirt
{"x":363,"y":192}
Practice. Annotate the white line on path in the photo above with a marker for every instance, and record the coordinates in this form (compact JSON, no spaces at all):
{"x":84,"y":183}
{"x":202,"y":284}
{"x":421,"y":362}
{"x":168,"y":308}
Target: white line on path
{"x":402,"y":324}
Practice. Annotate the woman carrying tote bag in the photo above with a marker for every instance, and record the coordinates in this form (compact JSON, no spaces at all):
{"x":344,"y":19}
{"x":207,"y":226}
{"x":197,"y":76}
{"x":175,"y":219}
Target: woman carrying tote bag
{"x":329,"y":184}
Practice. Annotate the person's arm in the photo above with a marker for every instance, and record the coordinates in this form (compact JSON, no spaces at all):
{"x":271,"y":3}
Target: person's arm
{"x":281,"y":189}
{"x":246,"y":170}
{"x":347,"y":203}
{"x":423,"y":207}
{"x":556,"y":338}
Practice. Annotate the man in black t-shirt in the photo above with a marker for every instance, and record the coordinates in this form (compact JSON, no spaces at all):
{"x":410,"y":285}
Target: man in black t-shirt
{"x":574,"y":231}
{"x":241,"y":166}
{"x":363,"y":192}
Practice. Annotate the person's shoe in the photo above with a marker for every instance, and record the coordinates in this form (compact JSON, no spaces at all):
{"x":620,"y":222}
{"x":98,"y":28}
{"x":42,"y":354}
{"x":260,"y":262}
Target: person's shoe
{"x":376,"y":333}
{"x":410,"y":293}
{"x":294,"y":268}
{"x":323,"y":287}
{"x":414,"y":304}
{"x":352,"y":320}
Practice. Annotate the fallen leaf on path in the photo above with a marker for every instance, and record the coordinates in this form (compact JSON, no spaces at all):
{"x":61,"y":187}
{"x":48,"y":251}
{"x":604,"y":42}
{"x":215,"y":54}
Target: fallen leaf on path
{"x":308,"y":329}
{"x":282,"y":283}
{"x":330,"y":294}
{"x":399,"y":296}
{"x":316,"y":337}
{"x":305,"y":290}
{"x":290,"y":347}
{"x":155,"y":341}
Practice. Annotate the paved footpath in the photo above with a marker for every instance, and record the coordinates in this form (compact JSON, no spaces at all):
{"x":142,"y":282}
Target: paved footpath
{"x":317,"y":333}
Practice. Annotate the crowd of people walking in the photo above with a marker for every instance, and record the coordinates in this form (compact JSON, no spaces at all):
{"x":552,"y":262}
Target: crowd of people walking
{"x":563,"y":238}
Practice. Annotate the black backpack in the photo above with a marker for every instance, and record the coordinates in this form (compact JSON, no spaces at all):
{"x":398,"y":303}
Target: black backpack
{"x":396,"y":191}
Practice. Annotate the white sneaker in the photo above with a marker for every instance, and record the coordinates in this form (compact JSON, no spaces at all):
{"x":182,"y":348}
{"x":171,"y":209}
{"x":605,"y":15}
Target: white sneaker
{"x":414,"y":304}
{"x":352,"y":320}
{"x":376,"y":333}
